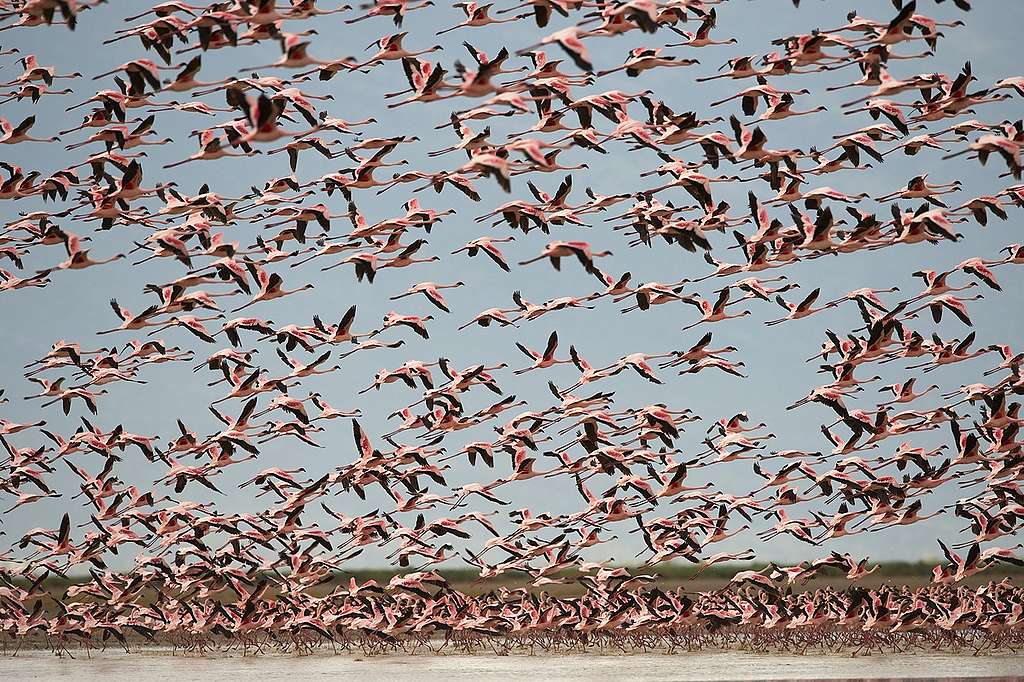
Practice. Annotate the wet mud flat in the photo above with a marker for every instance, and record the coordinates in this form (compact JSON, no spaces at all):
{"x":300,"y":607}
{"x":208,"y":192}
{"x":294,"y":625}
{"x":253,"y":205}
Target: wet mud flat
{"x":166,"y":663}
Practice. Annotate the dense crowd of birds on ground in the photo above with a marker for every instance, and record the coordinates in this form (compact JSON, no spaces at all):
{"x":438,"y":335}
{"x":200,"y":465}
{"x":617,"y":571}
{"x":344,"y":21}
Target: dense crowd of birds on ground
{"x":203,"y":577}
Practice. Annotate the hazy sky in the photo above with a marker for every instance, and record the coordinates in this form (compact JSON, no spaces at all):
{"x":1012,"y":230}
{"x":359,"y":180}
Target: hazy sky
{"x":75,"y":304}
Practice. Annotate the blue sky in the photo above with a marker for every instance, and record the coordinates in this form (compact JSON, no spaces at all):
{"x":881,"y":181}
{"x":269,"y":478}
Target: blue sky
{"x":75,"y":304}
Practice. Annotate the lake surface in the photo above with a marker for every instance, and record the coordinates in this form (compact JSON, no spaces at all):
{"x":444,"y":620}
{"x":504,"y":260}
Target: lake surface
{"x":158,"y":664}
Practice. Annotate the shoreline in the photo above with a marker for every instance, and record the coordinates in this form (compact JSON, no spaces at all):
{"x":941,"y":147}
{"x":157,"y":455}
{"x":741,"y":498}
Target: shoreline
{"x":752,"y":641}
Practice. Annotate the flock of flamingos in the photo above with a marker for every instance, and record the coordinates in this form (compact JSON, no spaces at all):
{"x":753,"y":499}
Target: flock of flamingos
{"x":201,"y":577}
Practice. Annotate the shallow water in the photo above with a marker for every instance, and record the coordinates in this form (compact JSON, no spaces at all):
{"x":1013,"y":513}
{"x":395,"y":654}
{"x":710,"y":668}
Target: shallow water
{"x":157,"y":664}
